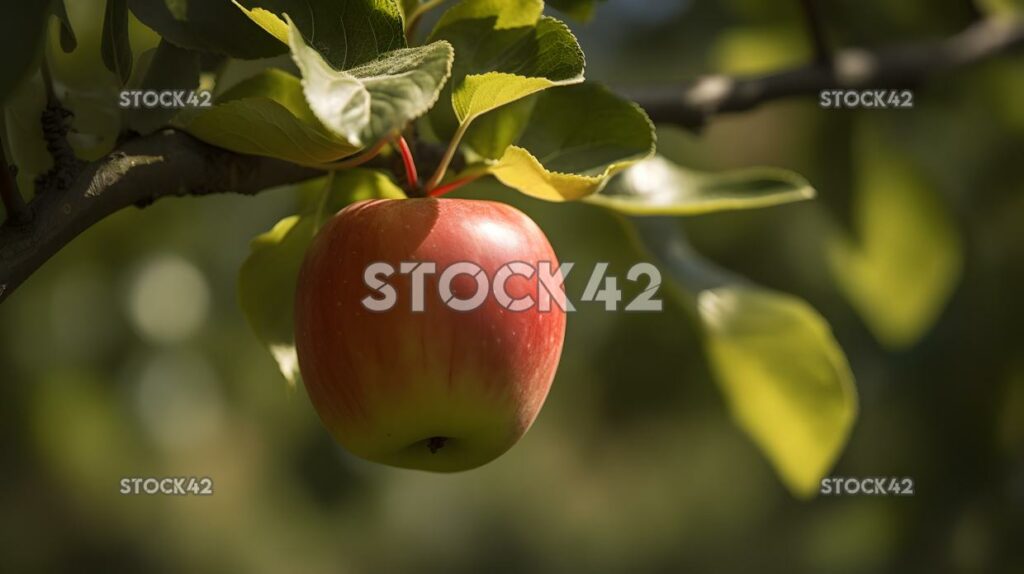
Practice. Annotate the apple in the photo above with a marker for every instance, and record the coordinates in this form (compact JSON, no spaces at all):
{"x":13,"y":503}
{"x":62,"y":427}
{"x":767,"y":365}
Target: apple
{"x":437,"y":388}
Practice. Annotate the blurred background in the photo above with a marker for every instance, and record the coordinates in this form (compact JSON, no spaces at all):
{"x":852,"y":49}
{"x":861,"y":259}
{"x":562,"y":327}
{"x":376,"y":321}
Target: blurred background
{"x":127,"y":355}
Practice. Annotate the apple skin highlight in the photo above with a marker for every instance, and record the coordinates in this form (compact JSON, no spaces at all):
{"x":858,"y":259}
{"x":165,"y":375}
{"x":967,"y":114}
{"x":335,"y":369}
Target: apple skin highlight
{"x":440,"y":389}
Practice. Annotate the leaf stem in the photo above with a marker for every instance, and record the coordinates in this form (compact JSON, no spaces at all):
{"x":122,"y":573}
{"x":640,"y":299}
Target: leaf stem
{"x":448,"y":187}
{"x":411,"y":176}
{"x":360,"y":159}
{"x":449,"y":154}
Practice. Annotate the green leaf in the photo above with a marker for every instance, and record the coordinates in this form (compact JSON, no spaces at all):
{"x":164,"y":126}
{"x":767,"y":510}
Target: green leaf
{"x":576,"y":139}
{"x":346,"y":34}
{"x":906,"y":259}
{"x":210,"y":26}
{"x":23,"y":136}
{"x":656,"y":186}
{"x":68,"y":41}
{"x":22,"y":30}
{"x":579,"y":9}
{"x":266,"y":281}
{"x":169,"y":68}
{"x":784,"y":376}
{"x":267,"y":115}
{"x":369,"y":102}
{"x":504,"y":51}
{"x":116,"y":49}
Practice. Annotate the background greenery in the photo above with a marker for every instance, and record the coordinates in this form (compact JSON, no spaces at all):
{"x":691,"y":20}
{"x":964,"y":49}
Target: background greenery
{"x":127,"y":355}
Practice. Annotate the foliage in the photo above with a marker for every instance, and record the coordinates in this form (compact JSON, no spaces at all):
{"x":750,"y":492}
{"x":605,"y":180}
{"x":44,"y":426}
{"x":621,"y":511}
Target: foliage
{"x":500,"y":86}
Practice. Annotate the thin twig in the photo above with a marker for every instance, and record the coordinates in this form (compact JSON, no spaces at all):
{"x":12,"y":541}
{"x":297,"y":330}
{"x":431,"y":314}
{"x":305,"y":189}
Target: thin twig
{"x":693,"y":104}
{"x":816,"y":31}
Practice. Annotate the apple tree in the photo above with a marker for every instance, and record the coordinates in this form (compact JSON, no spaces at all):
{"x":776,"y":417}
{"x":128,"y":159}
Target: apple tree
{"x":353,"y":100}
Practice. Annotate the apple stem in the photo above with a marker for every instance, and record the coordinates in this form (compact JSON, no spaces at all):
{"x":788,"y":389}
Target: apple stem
{"x":410,"y":164}
{"x":443,"y":189}
{"x":436,"y":443}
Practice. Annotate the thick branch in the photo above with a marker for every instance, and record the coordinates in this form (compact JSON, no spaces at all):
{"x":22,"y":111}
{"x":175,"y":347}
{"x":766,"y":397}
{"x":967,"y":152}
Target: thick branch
{"x":692,"y":105}
{"x":141,"y":171}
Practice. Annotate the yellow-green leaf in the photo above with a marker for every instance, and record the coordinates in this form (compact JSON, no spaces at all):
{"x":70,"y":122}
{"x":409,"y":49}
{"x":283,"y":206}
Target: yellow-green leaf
{"x":577,"y":137}
{"x":504,"y":51}
{"x":657,"y":186}
{"x":267,"y":115}
{"x":267,"y":20}
{"x":266,"y":281}
{"x":785,"y":378}
{"x":905,"y":261}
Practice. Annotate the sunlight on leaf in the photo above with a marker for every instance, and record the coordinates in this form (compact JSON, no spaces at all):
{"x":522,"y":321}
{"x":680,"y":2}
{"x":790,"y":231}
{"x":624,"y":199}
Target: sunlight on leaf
{"x":267,"y":115}
{"x":577,"y":137}
{"x":906,"y":259}
{"x":504,"y":51}
{"x":267,"y":20}
{"x":784,"y":376}
{"x":657,"y":186}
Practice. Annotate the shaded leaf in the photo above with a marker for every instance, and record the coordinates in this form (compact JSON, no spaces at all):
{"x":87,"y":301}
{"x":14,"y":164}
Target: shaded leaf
{"x":369,"y":102}
{"x":68,"y":41}
{"x":211,"y":26}
{"x":169,"y":68}
{"x":266,"y":281}
{"x":577,"y":137}
{"x":346,"y":34}
{"x":23,"y":137}
{"x":906,"y":259}
{"x":22,"y":30}
{"x":115,"y":47}
{"x":579,"y":9}
{"x":657,"y":186}
{"x":267,"y":115}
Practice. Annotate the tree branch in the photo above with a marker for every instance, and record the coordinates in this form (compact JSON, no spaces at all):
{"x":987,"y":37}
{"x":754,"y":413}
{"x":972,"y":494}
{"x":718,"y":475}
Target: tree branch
{"x":171,"y":163}
{"x":694,"y":104}
{"x":141,"y":171}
